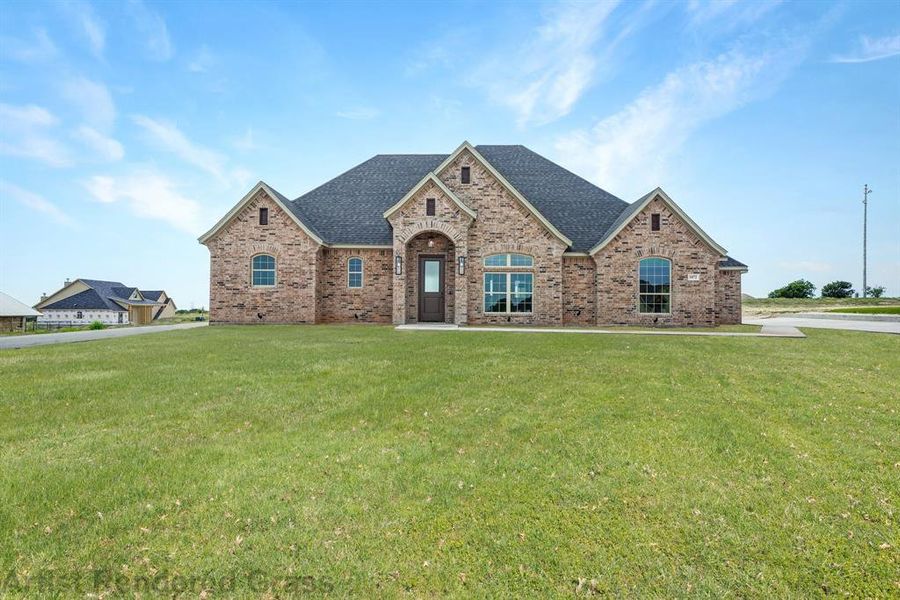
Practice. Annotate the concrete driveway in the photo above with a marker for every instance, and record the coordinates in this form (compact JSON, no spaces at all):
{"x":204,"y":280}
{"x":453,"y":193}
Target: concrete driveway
{"x":833,"y":322}
{"x":44,"y":339}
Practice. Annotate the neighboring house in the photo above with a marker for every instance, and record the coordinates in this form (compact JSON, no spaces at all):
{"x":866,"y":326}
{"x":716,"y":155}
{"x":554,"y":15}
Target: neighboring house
{"x":167,"y":308}
{"x":87,"y":300}
{"x":13,"y":314}
{"x":487,"y":234}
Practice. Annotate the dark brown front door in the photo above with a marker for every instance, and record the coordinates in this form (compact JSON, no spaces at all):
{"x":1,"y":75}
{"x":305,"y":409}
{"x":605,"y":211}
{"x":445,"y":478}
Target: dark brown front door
{"x":431,"y":288}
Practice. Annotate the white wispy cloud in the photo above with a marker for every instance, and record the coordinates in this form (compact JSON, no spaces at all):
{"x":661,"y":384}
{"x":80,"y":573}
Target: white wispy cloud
{"x":169,"y":137}
{"x":541,"y":80}
{"x":27,"y":132}
{"x":93,"y":100}
{"x":103,"y":146}
{"x":88,"y":25}
{"x":149,"y":23}
{"x":39,"y":48}
{"x":362,"y":113}
{"x":246,"y":142}
{"x":202,"y":61}
{"x":727,"y":14}
{"x":631,"y":147}
{"x":149,"y":195}
{"x":872,"y":48}
{"x":35,"y":202}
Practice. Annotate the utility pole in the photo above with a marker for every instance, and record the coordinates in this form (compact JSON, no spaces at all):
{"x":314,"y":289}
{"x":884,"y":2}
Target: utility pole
{"x":866,"y":192}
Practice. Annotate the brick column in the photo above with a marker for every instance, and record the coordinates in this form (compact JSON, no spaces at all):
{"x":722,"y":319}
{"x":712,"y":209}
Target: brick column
{"x":399,"y":282}
{"x":461,"y":287}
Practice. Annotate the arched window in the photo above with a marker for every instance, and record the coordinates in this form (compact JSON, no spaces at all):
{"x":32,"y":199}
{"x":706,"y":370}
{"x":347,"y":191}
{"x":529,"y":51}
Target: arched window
{"x":508,"y":260}
{"x":355,"y":273}
{"x":508,"y":291}
{"x":263,"y":270}
{"x":655,"y":293}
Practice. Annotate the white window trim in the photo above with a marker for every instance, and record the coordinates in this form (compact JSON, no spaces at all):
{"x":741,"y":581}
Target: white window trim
{"x":509,"y":292}
{"x":274,"y":271}
{"x":669,"y":294}
{"x":362,"y":273}
{"x":508,"y":264}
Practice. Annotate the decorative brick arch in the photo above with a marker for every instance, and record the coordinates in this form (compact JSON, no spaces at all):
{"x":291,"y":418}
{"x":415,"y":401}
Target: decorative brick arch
{"x":510,"y":247}
{"x":430,"y":225}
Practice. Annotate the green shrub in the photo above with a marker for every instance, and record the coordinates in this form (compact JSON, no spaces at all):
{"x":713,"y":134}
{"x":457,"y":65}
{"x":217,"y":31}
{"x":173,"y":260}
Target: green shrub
{"x":97,"y":325}
{"x":795,"y":289}
{"x":875,"y":292}
{"x":837,"y":289}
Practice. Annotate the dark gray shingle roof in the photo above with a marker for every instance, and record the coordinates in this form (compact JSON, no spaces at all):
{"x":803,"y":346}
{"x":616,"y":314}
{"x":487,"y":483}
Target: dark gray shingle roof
{"x":730,"y":263}
{"x":349,"y":209}
{"x":151,"y":294}
{"x":100,"y":297}
{"x":88,"y":299}
{"x":579,"y":209}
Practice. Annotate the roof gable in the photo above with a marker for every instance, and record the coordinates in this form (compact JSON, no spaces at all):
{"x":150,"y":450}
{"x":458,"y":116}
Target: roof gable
{"x":430,"y":178}
{"x":634,"y":209}
{"x":467,"y":147}
{"x":285,"y":204}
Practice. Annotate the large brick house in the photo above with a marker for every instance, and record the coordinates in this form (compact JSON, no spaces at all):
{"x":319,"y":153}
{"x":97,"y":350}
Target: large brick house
{"x":485,"y":235}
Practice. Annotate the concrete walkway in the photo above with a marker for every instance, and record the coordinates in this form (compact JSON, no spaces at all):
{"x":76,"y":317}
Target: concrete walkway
{"x":775,"y":330}
{"x":879,"y":326}
{"x":44,"y":339}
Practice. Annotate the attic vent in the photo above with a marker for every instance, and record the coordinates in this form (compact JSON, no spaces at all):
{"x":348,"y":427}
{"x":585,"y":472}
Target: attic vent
{"x":465,"y":175}
{"x":429,"y":207}
{"x":264,"y":216}
{"x":654,"y":222}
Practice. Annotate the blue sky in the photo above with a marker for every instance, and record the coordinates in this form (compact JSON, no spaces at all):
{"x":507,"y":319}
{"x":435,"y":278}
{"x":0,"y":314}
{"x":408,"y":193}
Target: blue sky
{"x":127,"y":129}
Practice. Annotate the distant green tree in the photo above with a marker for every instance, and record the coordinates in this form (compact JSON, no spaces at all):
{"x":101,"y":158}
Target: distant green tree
{"x":837,"y":289}
{"x":795,"y":289}
{"x":875,"y":292}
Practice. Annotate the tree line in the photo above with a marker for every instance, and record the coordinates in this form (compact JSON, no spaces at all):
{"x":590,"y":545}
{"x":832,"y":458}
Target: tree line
{"x":836,"y":289}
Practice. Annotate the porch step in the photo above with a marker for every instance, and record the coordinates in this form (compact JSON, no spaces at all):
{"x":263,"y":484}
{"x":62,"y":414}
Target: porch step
{"x":427,"y":326}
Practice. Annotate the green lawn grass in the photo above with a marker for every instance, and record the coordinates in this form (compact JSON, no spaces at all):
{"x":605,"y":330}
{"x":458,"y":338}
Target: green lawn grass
{"x":365,"y":461}
{"x":869,"y":310}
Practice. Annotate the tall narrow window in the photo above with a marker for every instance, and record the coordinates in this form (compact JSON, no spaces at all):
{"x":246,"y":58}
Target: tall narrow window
{"x":465,"y":175}
{"x":355,"y":273}
{"x":429,"y":207}
{"x":263,"y":271}
{"x":655,"y":276}
{"x":264,"y":216}
{"x":654,"y":222}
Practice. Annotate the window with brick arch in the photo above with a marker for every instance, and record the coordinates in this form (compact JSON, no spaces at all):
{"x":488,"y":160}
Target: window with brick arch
{"x":655,"y":286}
{"x":355,"y":273}
{"x":263,"y":270}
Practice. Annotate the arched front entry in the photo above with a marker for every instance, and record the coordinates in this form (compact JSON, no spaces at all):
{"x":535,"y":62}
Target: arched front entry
{"x":430,"y":279}
{"x":429,"y":273}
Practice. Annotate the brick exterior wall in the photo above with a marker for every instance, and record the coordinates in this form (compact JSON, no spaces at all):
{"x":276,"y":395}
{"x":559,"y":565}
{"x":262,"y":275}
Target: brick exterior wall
{"x":338,"y":303}
{"x":693,"y":303}
{"x":413,"y":228}
{"x":504,"y":225}
{"x":728,"y":297}
{"x":231,"y":297}
{"x":579,"y":290}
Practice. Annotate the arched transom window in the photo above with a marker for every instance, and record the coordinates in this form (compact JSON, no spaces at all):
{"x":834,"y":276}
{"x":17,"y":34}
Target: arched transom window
{"x":508,"y":260}
{"x":355,"y":273}
{"x":263,"y":270}
{"x":655,"y":293}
